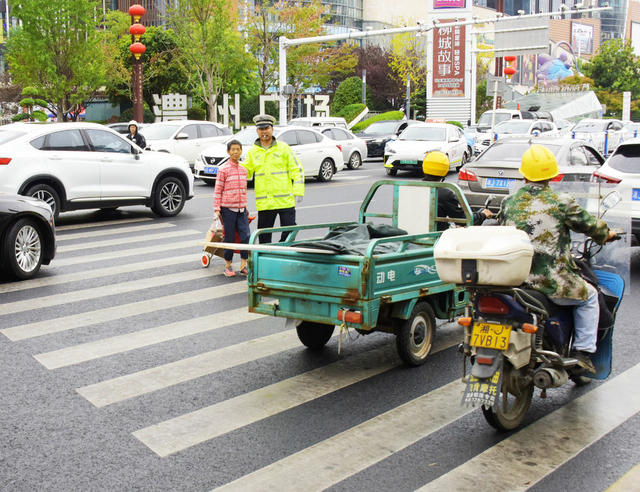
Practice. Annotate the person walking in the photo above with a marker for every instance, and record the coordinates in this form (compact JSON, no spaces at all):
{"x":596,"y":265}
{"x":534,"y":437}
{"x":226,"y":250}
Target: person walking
{"x":278,"y":178}
{"x":230,"y":205}
{"x":135,"y":136}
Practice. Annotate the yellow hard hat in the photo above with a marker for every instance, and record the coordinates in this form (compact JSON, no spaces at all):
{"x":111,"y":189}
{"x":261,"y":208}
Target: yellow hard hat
{"x":538,"y":164}
{"x":435,"y":163}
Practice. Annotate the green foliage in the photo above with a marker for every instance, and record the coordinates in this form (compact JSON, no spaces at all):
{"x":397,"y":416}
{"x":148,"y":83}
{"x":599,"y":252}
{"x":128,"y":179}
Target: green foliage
{"x":408,"y":61}
{"x":21,"y":117}
{"x":348,"y":92}
{"x":148,"y":116}
{"x":456,"y":123}
{"x":56,"y":51}
{"x":351,"y":111}
{"x":483,"y":102}
{"x":250,"y":106}
{"x":389,"y":115}
{"x":27,"y":101}
{"x":39,"y":115}
{"x":196,"y":113}
{"x":419,"y":104}
{"x":615,"y":68}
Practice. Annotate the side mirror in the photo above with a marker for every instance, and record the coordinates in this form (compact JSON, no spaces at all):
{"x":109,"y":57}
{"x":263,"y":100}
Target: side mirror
{"x":182,"y":136}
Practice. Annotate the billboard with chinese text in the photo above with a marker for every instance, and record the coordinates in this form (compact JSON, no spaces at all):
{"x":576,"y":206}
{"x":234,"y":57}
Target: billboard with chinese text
{"x":448,"y":61}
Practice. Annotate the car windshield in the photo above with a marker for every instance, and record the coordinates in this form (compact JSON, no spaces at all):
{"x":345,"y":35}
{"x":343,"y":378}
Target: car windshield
{"x":381,"y":128}
{"x":626,"y":159}
{"x":424,"y":134}
{"x":485,"y":119}
{"x":246,"y":136}
{"x":512,"y":151}
{"x":514,"y":126}
{"x":159,"y":131}
{"x":590,"y":126}
{"x":8,"y":136}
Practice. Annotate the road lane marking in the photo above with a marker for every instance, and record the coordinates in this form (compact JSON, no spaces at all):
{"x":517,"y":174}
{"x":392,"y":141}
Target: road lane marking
{"x":325,"y":205}
{"x":97,"y":273}
{"x":523,"y":459}
{"x":628,"y":482}
{"x":120,"y":230}
{"x":160,"y":377}
{"x":125,"y":240}
{"x":65,"y":323}
{"x":328,"y":462}
{"x":179,"y":433}
{"x":340,"y":177}
{"x":128,"y":253}
{"x":159,"y":279}
{"x":87,"y":225}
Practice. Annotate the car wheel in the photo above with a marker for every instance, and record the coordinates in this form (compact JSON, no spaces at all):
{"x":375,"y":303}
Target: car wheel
{"x":391,"y":171}
{"x":47,"y":194}
{"x":463,"y":161}
{"x":355,"y":161}
{"x":22,"y":249}
{"x":168,"y":197}
{"x":325,"y":173}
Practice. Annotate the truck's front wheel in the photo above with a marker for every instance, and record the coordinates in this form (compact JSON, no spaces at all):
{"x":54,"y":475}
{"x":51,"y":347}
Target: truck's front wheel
{"x":314,"y":335}
{"x":415,"y":335}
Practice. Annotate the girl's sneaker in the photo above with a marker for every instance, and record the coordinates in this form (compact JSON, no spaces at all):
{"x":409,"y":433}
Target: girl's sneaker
{"x":244,"y":271}
{"x":228,"y":272}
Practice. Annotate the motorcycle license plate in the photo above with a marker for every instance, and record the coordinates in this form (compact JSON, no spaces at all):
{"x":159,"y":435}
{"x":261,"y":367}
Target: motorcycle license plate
{"x":210,"y":170}
{"x":491,"y":335}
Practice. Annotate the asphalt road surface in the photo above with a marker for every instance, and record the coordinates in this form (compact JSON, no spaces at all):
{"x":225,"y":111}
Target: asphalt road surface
{"x":127,"y":366}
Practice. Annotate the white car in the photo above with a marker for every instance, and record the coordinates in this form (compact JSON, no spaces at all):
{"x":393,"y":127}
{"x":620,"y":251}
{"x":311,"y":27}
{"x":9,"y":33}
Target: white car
{"x":622,"y":168}
{"x":314,"y":121}
{"x":186,"y":138}
{"x":354,"y":149}
{"x":517,"y":129}
{"x":75,"y":166}
{"x":319,"y":156}
{"x":123,"y":127}
{"x":410,"y":148}
{"x":594,"y":131}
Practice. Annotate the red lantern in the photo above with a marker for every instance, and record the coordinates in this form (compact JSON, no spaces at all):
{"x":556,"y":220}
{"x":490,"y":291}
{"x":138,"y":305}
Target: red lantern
{"x":137,"y":49}
{"x":510,"y":58}
{"x":136,"y":11}
{"x":137,"y":30}
{"x":509,"y":71}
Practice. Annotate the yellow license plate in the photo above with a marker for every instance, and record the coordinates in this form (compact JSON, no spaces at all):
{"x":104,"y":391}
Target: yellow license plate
{"x":490,"y":335}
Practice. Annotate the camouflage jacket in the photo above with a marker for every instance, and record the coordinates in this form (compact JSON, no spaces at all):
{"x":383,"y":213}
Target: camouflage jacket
{"x":548,"y":217}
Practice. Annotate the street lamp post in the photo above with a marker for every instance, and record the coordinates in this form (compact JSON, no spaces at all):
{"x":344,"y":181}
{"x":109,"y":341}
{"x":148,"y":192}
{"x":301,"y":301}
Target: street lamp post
{"x":137,"y":49}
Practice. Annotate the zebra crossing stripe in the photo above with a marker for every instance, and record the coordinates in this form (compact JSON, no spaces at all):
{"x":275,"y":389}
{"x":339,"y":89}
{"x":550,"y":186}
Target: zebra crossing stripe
{"x":177,"y":434}
{"x":73,"y":227}
{"x":156,"y":378}
{"x":134,"y":253}
{"x":89,"y":318}
{"x":97,"y":273}
{"x":325,"y":205}
{"x":107,"y":232}
{"x":525,"y":458}
{"x":118,"y":344}
{"x":124,"y":240}
{"x":324,"y":464}
{"x":102,"y":291}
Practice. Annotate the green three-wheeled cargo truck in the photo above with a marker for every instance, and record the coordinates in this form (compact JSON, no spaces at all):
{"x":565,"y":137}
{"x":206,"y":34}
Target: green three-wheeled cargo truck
{"x":390,"y":285}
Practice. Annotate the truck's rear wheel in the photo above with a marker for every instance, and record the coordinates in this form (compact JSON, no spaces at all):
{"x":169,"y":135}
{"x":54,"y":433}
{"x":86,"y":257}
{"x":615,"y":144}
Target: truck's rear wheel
{"x":314,"y":335}
{"x":415,"y":336}
{"x":513,"y":401}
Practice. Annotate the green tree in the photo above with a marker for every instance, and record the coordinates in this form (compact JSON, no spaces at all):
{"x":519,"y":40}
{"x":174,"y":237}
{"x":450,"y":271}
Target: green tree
{"x":212,"y":48}
{"x":614,"y":68}
{"x":408,"y":60}
{"x":348,"y":92}
{"x":57,"y":51}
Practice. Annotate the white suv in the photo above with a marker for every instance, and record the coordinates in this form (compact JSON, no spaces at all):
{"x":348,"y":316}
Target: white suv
{"x":75,"y":166}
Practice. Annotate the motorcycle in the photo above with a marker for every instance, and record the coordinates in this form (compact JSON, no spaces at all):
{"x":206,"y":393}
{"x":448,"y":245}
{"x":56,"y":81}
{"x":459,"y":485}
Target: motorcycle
{"x":518,"y":340}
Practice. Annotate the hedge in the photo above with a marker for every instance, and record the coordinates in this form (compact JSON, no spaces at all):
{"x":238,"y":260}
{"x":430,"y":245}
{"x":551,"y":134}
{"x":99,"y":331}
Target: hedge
{"x":351,"y":111}
{"x":389,"y":115}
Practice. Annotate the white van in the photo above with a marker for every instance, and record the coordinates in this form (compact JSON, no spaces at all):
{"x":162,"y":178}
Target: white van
{"x":319,"y":121}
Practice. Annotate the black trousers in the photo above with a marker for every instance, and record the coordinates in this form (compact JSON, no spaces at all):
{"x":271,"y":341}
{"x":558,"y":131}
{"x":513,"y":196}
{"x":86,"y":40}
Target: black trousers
{"x":235,"y":223}
{"x":267,"y":218}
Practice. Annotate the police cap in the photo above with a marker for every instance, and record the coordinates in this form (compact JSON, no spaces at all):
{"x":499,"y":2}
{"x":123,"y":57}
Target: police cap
{"x":264,"y":120}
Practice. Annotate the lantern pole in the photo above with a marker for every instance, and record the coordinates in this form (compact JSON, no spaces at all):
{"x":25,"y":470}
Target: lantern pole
{"x":137,"y":48}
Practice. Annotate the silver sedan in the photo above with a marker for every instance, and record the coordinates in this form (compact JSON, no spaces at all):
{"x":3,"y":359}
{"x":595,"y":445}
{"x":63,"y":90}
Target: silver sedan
{"x":354,"y":149}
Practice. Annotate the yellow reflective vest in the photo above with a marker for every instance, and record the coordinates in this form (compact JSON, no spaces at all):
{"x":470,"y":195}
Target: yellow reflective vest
{"x":278,"y":176}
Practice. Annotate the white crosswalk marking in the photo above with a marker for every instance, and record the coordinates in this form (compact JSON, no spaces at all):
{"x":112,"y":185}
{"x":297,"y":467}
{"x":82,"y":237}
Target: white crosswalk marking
{"x":89,"y":225}
{"x":125,"y":387}
{"x":528,"y":456}
{"x":120,"y":230}
{"x":207,"y":423}
{"x":143,"y":338}
{"x":73,"y":321}
{"x":164,"y":236}
{"x":103,"y":291}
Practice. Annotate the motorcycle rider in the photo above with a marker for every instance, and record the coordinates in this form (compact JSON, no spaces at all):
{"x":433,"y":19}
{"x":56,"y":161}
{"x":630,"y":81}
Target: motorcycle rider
{"x":135,"y":136}
{"x":548,"y":218}
{"x":435,"y":168}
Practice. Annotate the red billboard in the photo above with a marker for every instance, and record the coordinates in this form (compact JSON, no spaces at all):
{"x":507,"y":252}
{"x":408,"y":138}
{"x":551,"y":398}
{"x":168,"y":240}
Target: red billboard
{"x":447,"y":74}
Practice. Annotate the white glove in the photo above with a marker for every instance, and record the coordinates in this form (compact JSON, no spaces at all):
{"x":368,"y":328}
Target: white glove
{"x":299,"y":199}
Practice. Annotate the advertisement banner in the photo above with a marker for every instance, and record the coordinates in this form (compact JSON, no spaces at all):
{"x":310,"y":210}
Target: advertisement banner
{"x":448,"y":61}
{"x":581,"y":38}
{"x":449,"y":4}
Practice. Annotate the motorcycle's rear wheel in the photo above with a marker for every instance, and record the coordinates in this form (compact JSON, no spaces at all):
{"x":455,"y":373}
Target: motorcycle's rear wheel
{"x":513,"y":401}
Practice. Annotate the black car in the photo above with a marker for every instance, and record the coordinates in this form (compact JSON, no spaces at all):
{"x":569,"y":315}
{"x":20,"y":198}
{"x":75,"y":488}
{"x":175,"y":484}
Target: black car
{"x":377,"y":134}
{"x":27,"y":236}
